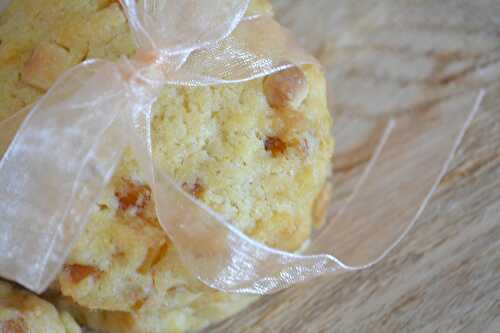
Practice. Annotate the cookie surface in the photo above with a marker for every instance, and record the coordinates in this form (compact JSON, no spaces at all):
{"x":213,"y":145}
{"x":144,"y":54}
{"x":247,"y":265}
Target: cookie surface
{"x":256,"y":152}
{"x":23,"y":312}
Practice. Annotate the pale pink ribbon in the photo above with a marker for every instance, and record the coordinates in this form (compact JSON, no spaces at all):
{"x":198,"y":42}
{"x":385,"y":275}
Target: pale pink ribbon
{"x":68,"y":145}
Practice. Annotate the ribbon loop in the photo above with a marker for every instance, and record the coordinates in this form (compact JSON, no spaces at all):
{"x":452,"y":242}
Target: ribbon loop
{"x":55,"y":168}
{"x":174,"y":27}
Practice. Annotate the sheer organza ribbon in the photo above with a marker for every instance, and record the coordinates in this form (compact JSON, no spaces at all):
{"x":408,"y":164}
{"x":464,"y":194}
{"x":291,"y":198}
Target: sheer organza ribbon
{"x":68,"y":144}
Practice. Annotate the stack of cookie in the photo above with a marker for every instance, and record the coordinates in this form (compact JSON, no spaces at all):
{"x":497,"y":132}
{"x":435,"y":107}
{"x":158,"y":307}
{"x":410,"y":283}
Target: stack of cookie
{"x":256,"y":152}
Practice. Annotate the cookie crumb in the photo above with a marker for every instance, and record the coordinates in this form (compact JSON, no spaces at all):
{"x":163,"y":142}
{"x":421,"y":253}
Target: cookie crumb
{"x":133,"y":196}
{"x":196,"y":189}
{"x":81,"y":272}
{"x":102,"y":206}
{"x":153,"y":256}
{"x":138,"y":305}
{"x":275,"y":145}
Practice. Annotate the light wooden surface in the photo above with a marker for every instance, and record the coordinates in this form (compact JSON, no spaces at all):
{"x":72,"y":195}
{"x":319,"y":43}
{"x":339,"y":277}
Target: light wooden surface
{"x":398,"y":56}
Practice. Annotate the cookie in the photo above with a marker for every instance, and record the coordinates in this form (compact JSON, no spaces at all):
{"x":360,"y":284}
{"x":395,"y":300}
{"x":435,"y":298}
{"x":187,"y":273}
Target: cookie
{"x":257,"y":152}
{"x":23,"y":312}
{"x":124,"y":261}
{"x":41,"y":39}
{"x":184,"y":308}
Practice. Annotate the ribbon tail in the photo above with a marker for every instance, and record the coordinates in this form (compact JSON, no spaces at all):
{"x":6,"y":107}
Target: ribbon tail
{"x":54,"y":170}
{"x":224,"y":258}
{"x":398,"y":183}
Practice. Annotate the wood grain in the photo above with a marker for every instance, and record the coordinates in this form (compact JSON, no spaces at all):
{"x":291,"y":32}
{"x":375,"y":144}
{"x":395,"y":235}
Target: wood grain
{"x":395,"y":56}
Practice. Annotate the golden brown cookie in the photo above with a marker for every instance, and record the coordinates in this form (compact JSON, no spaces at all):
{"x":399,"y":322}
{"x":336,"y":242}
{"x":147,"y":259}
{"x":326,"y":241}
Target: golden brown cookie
{"x":24,"y":312}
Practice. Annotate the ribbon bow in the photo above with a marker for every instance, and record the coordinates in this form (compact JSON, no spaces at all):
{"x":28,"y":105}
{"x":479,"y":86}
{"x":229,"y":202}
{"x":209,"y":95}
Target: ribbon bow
{"x":66,"y":149}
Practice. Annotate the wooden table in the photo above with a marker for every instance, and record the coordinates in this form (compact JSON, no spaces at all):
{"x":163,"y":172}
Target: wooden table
{"x":391,"y":56}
